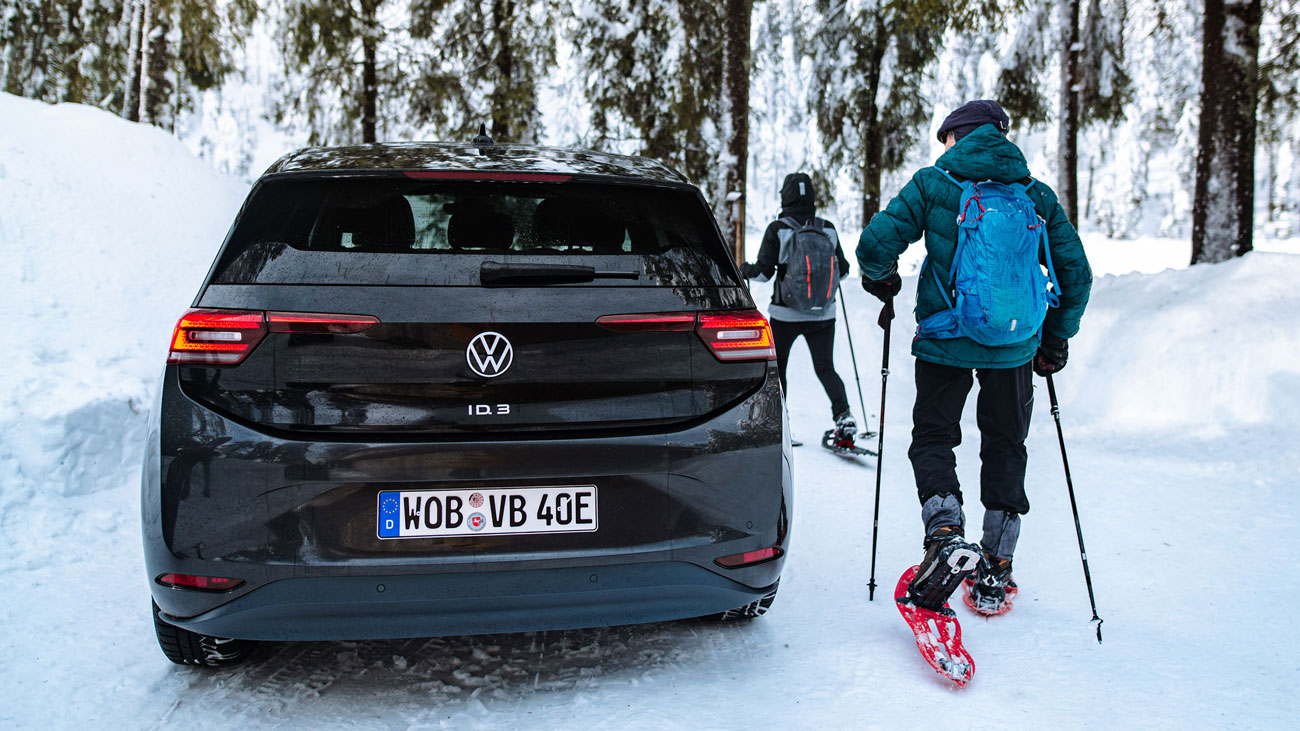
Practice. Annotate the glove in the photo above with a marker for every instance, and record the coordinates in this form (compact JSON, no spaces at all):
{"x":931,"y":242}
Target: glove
{"x":749,"y":271}
{"x":1051,"y":356}
{"x":883,"y":289}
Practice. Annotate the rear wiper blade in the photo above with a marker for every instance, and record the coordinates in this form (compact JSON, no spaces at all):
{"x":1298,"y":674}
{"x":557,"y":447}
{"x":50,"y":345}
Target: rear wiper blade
{"x":492,"y":272}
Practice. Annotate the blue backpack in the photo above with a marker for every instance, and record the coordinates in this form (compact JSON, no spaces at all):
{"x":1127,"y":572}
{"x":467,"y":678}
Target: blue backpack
{"x":997,"y":293}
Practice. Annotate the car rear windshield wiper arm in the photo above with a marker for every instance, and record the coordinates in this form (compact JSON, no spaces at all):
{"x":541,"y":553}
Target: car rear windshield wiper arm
{"x":491,"y":272}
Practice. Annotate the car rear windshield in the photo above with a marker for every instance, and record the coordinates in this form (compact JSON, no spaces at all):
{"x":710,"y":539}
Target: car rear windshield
{"x":399,"y":231}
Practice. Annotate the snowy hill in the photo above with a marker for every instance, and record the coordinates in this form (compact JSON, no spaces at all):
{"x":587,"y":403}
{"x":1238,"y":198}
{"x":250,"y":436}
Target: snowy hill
{"x":1181,"y":404}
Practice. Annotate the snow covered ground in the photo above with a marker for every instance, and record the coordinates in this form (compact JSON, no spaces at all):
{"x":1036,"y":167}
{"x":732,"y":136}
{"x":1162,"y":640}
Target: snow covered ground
{"x":1181,"y":404}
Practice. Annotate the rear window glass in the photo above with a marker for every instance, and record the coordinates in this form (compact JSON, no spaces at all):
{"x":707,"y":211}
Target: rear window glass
{"x":384,"y":231}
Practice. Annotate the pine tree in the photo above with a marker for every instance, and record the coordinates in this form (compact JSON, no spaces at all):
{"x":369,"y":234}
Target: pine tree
{"x":1020,"y":82}
{"x":339,"y":72}
{"x":868,"y":63}
{"x":482,"y":61}
{"x":651,"y":70}
{"x":1223,"y":216}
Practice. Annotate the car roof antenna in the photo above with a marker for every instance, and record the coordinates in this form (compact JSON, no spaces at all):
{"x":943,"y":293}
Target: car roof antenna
{"x":482,"y":140}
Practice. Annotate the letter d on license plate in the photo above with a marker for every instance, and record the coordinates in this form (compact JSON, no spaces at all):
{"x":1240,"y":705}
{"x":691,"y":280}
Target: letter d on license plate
{"x":504,"y":511}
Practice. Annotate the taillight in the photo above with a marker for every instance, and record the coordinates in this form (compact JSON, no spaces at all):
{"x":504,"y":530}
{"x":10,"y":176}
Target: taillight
{"x":217,"y":337}
{"x":748,"y":558}
{"x":734,"y":336}
{"x":226,"y":337}
{"x":313,"y":322}
{"x":731,"y":336}
{"x":649,"y":322}
{"x":199,"y":583}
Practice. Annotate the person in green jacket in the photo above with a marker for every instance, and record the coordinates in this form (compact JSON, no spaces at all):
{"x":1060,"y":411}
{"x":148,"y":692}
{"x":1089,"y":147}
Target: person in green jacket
{"x":977,"y":150}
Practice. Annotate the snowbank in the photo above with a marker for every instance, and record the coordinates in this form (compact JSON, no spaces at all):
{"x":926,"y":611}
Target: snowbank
{"x":107,"y":229}
{"x":1207,"y":349}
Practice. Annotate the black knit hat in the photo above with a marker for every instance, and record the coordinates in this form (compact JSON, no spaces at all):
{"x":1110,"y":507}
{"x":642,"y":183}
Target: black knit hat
{"x":971,"y":115}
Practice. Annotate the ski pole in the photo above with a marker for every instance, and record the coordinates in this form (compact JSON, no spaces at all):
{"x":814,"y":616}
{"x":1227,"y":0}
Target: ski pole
{"x":849,"y":331}
{"x":886,"y":318}
{"x":1069,"y":484}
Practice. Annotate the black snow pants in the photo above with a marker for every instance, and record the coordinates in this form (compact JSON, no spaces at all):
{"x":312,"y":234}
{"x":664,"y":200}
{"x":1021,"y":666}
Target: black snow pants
{"x":1005,"y":403}
{"x":820,"y":335}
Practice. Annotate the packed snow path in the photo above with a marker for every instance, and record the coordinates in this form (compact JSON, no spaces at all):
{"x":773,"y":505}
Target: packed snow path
{"x":1181,"y":406}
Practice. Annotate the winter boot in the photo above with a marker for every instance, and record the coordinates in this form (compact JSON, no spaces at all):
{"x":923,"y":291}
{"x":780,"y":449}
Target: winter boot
{"x":846,"y":428}
{"x":992,"y":586}
{"x":949,"y":559}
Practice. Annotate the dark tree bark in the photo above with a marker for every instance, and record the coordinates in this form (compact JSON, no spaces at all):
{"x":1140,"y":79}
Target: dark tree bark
{"x":369,"y":70}
{"x":873,"y":154}
{"x":735,"y":77}
{"x":157,"y":57}
{"x":131,"y":104}
{"x":503,"y":12}
{"x":1223,"y":211}
{"x":1067,"y":187}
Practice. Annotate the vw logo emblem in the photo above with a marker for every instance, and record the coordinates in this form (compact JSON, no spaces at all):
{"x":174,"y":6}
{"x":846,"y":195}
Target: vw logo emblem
{"x":489,"y":354}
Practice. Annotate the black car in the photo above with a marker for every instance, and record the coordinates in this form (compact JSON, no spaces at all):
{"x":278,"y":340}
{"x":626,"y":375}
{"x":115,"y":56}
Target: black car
{"x":436,"y":389}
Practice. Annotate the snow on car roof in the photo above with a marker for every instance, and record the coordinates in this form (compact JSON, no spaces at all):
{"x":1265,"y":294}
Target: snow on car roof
{"x":467,"y":157}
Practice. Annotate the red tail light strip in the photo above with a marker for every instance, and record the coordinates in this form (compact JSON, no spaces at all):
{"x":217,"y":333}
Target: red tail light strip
{"x":226,"y":337}
{"x":649,"y":322}
{"x":731,"y":336}
{"x":474,"y":175}
{"x":312,"y":322}
{"x":200,"y":583}
{"x":749,"y":558}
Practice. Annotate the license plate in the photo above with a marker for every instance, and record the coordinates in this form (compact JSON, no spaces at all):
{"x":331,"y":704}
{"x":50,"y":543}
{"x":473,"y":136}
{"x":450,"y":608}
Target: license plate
{"x":505,"y":511}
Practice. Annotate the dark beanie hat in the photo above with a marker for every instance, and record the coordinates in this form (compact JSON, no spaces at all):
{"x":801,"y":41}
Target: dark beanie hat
{"x":971,"y":115}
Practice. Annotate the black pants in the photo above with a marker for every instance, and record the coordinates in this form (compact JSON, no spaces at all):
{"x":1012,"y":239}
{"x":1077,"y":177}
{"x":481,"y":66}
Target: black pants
{"x":1006,"y":402}
{"x":821,"y":344}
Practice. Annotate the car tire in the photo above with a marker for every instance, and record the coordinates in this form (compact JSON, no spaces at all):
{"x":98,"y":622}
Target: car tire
{"x":756,"y":608}
{"x":184,"y":647}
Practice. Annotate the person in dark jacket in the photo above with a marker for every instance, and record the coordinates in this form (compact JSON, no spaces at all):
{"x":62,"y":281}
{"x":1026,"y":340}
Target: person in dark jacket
{"x":798,"y":203}
{"x":977,"y":150}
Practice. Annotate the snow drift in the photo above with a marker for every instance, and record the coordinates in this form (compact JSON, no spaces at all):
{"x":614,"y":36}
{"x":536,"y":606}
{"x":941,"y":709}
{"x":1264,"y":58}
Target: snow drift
{"x":107,"y":229}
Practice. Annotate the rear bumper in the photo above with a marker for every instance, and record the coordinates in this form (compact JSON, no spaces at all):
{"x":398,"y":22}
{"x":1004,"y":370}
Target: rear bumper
{"x":296,"y":521}
{"x":381,"y":607}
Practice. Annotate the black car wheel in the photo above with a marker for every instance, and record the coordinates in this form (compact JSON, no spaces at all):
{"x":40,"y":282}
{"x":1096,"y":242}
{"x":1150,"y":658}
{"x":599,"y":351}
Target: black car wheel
{"x":184,"y":647}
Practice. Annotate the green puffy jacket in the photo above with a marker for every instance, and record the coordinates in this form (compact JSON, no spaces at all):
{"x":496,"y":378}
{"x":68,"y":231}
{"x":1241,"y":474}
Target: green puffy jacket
{"x":928,"y":205}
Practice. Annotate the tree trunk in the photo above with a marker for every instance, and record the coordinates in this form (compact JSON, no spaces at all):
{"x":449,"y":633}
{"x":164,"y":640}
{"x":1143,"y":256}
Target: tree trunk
{"x":735,"y":81}
{"x":369,"y":71}
{"x":155,"y":65}
{"x":501,"y":99}
{"x":1223,"y":210}
{"x":131,"y":98}
{"x":874,"y":147}
{"x":145,"y":52}
{"x":1067,"y":185}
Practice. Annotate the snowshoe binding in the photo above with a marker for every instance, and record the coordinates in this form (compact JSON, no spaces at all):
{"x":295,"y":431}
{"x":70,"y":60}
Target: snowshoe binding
{"x":842,"y":439}
{"x":991,"y":591}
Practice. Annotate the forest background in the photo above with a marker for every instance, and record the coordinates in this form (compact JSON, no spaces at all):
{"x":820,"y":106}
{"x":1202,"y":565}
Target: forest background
{"x":1167,"y":119}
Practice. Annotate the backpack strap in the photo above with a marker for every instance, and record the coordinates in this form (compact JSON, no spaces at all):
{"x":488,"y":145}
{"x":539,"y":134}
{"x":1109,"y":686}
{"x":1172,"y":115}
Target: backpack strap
{"x":947,"y":175}
{"x":1054,"y":294}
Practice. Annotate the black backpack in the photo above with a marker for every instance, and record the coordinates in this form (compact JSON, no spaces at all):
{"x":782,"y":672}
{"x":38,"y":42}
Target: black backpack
{"x":811,"y":267}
